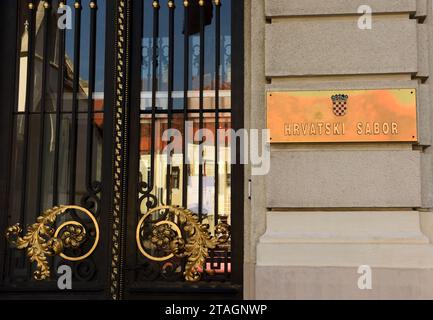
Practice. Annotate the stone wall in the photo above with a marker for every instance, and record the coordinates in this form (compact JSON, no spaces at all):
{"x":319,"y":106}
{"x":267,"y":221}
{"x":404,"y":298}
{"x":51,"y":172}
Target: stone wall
{"x":326,"y":209}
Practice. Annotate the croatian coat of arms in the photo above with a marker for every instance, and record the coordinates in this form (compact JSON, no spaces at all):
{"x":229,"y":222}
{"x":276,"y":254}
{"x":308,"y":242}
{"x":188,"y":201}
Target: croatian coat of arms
{"x":339,"y":102}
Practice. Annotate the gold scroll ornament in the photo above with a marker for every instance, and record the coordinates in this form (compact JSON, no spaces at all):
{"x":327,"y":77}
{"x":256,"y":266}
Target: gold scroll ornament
{"x":167,"y":236}
{"x":386,"y":115}
{"x":42,"y":240}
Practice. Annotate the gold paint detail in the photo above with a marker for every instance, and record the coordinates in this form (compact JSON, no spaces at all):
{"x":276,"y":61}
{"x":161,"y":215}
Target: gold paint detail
{"x":42,"y":241}
{"x":77,"y":5}
{"x":92,"y":5}
{"x":31,"y":6}
{"x":186,"y":3}
{"x":166,"y":235}
{"x":201,"y":3}
{"x":171,"y":4}
{"x":121,"y":64}
{"x":376,"y":115}
{"x":46,"y":5}
{"x":223,"y":232}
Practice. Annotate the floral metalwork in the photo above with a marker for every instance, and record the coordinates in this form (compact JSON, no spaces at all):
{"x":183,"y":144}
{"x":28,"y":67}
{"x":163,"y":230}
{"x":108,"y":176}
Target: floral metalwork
{"x":223,"y":232}
{"x":162,"y":236}
{"x":42,"y":240}
{"x":73,"y":236}
{"x":180,"y":234}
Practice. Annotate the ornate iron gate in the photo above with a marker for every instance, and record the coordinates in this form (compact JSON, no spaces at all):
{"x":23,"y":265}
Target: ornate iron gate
{"x":90,"y":112}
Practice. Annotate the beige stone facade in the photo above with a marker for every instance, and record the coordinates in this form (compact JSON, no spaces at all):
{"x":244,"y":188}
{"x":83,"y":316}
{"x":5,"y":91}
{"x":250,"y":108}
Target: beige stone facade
{"x":326,"y":209}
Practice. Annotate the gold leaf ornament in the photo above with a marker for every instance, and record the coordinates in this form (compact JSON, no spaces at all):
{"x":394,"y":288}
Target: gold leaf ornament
{"x":194,"y":246}
{"x":42,"y":241}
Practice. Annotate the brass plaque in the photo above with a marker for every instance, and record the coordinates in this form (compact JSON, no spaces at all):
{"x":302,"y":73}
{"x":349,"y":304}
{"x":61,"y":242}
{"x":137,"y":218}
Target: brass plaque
{"x":342,"y":116}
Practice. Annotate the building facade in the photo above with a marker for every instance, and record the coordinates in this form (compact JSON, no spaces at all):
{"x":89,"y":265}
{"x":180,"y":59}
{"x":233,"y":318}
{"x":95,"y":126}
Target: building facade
{"x":85,"y":115}
{"x":331,"y":208}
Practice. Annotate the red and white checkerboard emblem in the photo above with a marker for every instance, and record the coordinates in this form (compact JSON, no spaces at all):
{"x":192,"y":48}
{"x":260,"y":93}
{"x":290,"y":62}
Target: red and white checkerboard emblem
{"x":340,"y":104}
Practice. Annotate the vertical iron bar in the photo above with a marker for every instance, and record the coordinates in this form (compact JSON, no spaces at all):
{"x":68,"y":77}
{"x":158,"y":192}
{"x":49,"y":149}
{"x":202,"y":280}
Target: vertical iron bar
{"x":28,"y":105}
{"x":185,"y":102}
{"x":124,"y":151}
{"x":59,"y":107}
{"x":75,"y":93}
{"x":217,"y":102}
{"x":171,"y":8}
{"x":90,"y":99}
{"x":135,"y":134}
{"x":135,"y":178}
{"x":201,"y":103}
{"x":45,"y":64}
{"x":154,"y":89}
{"x":107,"y":167}
{"x":10,"y":56}
{"x":237,"y":170}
